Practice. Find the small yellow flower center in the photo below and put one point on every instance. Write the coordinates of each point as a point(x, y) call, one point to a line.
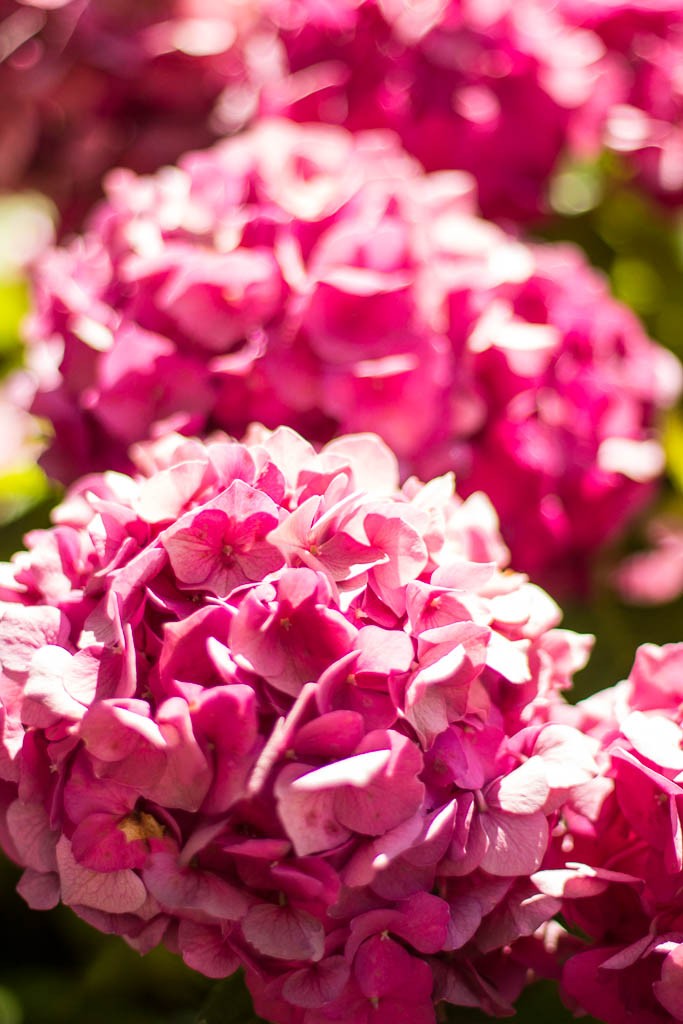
point(140, 825)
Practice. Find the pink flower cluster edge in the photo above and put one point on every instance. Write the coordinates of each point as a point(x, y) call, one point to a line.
point(262, 705)
point(620, 843)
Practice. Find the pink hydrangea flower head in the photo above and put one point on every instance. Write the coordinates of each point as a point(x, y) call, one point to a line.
point(620, 846)
point(300, 275)
point(261, 704)
point(463, 84)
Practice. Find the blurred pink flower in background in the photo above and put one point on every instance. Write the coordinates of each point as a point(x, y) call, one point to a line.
point(644, 43)
point(654, 576)
point(262, 705)
point(90, 84)
point(21, 441)
point(505, 90)
point(306, 276)
point(465, 85)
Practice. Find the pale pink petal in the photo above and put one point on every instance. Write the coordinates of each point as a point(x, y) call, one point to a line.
point(114, 892)
point(308, 817)
point(515, 843)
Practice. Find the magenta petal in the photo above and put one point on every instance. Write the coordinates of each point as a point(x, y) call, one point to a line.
point(648, 801)
point(465, 918)
point(382, 967)
point(204, 948)
point(602, 992)
point(284, 932)
point(193, 889)
point(317, 985)
point(187, 775)
point(99, 842)
point(225, 721)
point(425, 922)
point(336, 733)
point(389, 795)
point(113, 730)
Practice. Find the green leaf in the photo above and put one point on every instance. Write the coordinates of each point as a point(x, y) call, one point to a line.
point(229, 1003)
point(20, 490)
point(10, 1008)
point(673, 446)
point(13, 307)
point(36, 518)
point(541, 1002)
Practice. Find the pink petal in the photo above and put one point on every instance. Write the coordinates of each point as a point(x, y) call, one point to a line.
point(516, 843)
point(386, 800)
point(165, 495)
point(523, 791)
point(656, 738)
point(25, 630)
point(669, 990)
point(204, 948)
point(195, 551)
point(407, 552)
point(308, 817)
point(40, 891)
point(114, 892)
point(359, 770)
point(35, 842)
point(182, 888)
point(317, 985)
point(284, 932)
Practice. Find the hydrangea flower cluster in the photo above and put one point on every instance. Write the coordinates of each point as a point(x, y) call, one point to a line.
point(90, 84)
point(463, 83)
point(644, 43)
point(263, 706)
point(300, 275)
point(622, 847)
